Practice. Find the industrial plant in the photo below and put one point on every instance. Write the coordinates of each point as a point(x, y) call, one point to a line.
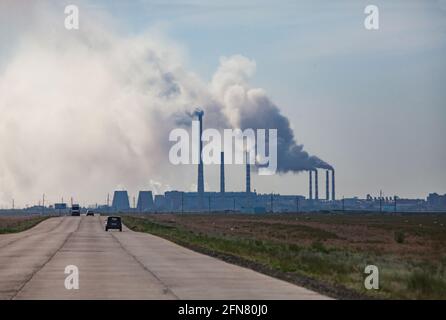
point(224, 201)
point(252, 202)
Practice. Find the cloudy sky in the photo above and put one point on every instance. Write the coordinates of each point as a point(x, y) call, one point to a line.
point(85, 112)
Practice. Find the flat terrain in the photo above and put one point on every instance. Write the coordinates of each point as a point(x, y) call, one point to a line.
point(11, 224)
point(123, 265)
point(324, 252)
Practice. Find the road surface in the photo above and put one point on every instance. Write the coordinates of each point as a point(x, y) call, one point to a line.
point(122, 265)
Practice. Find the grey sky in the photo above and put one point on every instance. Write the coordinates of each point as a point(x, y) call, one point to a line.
point(370, 103)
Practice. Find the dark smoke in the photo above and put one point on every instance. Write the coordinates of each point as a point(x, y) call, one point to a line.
point(290, 154)
point(235, 104)
point(266, 115)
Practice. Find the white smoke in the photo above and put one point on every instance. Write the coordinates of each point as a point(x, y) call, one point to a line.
point(86, 111)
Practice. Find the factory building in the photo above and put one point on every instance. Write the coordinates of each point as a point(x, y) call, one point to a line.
point(223, 201)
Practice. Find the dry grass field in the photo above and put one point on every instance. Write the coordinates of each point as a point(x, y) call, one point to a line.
point(325, 252)
point(11, 224)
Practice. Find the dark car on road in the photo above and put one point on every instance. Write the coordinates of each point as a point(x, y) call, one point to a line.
point(90, 213)
point(113, 223)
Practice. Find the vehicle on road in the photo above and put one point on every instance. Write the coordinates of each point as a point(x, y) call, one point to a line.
point(75, 210)
point(90, 213)
point(113, 223)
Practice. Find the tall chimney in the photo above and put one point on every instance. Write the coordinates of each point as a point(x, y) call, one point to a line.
point(310, 173)
point(248, 174)
point(316, 185)
point(200, 183)
point(222, 172)
point(327, 188)
point(332, 185)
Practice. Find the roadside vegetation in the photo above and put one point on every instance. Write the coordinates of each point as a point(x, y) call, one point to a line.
point(12, 224)
point(323, 252)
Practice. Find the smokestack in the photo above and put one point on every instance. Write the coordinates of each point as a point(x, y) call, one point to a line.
point(316, 185)
point(200, 183)
point(222, 172)
point(327, 182)
point(310, 172)
point(248, 175)
point(332, 185)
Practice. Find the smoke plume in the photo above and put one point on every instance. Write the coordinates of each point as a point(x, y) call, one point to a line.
point(83, 112)
point(247, 107)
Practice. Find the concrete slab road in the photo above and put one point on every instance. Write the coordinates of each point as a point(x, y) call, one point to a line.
point(123, 265)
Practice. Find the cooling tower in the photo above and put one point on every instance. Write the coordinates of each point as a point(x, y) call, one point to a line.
point(145, 201)
point(120, 201)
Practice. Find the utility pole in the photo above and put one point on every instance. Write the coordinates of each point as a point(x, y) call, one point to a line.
point(134, 203)
point(43, 204)
point(343, 204)
point(12, 204)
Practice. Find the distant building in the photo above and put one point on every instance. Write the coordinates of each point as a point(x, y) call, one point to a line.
point(120, 201)
point(178, 201)
point(160, 203)
point(145, 201)
point(60, 206)
point(436, 201)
